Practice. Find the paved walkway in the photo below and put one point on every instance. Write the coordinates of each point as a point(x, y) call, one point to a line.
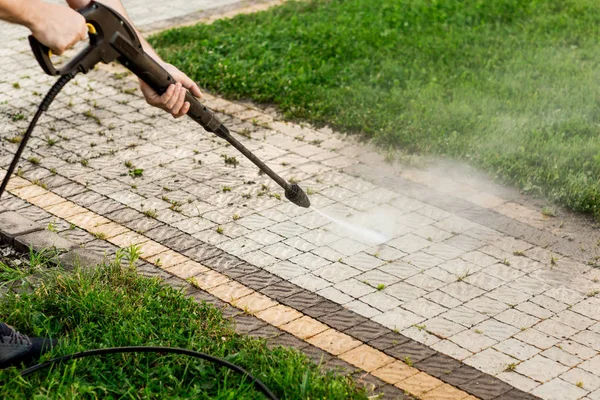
point(465, 291)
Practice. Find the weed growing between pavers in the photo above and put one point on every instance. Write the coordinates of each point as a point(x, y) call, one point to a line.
point(508, 85)
point(113, 306)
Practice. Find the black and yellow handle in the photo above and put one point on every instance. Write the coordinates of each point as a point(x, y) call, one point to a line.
point(42, 54)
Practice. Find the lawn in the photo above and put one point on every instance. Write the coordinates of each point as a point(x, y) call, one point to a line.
point(510, 86)
point(110, 307)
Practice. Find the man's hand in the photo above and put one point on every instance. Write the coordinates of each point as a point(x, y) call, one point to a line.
point(56, 26)
point(173, 100)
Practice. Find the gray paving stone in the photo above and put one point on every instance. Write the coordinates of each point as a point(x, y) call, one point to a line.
point(425, 282)
point(549, 303)
point(443, 251)
point(483, 281)
point(473, 341)
point(577, 376)
point(80, 258)
point(404, 291)
point(556, 354)
point(459, 267)
point(362, 309)
point(281, 251)
point(41, 241)
point(310, 282)
point(12, 224)
point(588, 338)
point(443, 299)
point(517, 318)
point(360, 260)
point(536, 338)
point(380, 301)
point(377, 277)
point(462, 291)
point(442, 327)
point(490, 361)
point(398, 319)
point(557, 389)
point(463, 316)
point(518, 381)
point(589, 308)
point(336, 272)
point(309, 261)
point(400, 269)
point(577, 349)
point(422, 260)
point(556, 329)
point(355, 288)
point(409, 243)
point(517, 349)
point(507, 295)
point(534, 309)
point(335, 295)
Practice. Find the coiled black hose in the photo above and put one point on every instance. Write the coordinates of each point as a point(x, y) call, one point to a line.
point(152, 349)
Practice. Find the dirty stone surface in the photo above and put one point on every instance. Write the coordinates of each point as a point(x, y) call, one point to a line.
point(461, 266)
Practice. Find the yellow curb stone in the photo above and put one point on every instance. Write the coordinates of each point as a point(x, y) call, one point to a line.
point(150, 248)
point(395, 372)
point(16, 182)
point(166, 259)
point(419, 384)
point(279, 315)
point(46, 200)
point(127, 239)
point(255, 302)
point(66, 209)
point(230, 291)
point(27, 192)
point(334, 342)
point(209, 279)
point(304, 327)
point(367, 358)
point(88, 220)
point(109, 230)
point(445, 392)
point(187, 269)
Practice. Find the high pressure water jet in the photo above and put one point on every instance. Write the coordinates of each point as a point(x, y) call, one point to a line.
point(112, 38)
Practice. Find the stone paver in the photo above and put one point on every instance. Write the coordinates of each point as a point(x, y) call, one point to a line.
point(448, 269)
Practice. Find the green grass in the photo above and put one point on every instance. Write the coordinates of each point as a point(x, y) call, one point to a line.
point(111, 306)
point(508, 85)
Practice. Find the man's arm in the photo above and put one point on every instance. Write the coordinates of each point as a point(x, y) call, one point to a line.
point(58, 27)
point(173, 100)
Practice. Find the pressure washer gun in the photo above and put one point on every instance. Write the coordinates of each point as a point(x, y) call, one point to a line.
point(113, 38)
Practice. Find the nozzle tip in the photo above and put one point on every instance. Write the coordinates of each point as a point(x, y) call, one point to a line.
point(296, 195)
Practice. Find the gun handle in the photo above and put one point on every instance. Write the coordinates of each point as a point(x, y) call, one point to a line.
point(148, 70)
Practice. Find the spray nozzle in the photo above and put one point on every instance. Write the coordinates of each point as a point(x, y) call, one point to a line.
point(296, 195)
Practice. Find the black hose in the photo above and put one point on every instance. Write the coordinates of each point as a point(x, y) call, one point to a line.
point(152, 349)
point(54, 90)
